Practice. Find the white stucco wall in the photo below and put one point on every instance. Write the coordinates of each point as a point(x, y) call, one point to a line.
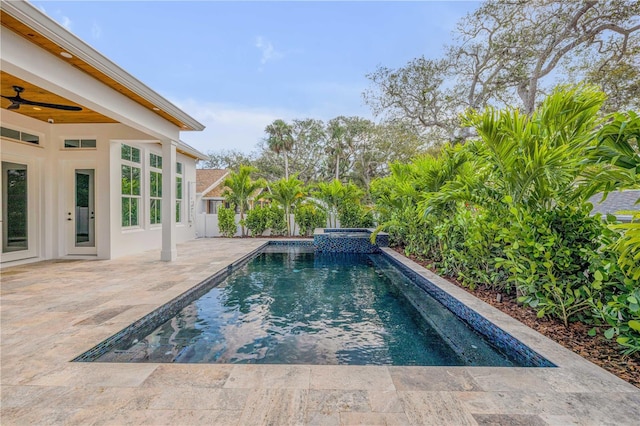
point(51, 167)
point(51, 170)
point(146, 236)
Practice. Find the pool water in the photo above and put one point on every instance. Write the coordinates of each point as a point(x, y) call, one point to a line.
point(297, 307)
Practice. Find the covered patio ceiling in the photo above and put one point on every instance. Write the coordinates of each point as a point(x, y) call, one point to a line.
point(38, 94)
point(23, 20)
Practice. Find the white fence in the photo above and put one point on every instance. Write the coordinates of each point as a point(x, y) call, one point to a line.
point(207, 226)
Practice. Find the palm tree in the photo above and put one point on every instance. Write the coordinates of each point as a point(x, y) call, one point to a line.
point(336, 194)
point(287, 192)
point(533, 160)
point(280, 139)
point(615, 159)
point(240, 187)
point(337, 130)
point(402, 199)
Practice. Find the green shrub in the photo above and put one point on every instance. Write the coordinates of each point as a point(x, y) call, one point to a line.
point(354, 215)
point(275, 220)
point(618, 311)
point(227, 221)
point(257, 220)
point(308, 217)
point(466, 247)
point(548, 257)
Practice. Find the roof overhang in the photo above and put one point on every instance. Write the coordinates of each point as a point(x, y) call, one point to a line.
point(191, 151)
point(30, 23)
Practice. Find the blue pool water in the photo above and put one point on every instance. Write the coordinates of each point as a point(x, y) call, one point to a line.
point(297, 307)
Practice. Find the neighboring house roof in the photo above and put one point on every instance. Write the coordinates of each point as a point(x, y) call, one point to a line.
point(615, 202)
point(30, 23)
point(209, 182)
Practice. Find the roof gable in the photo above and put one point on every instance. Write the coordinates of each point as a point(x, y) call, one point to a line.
point(210, 181)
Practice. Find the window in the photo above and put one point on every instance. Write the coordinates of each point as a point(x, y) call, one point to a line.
point(15, 235)
point(212, 206)
point(130, 174)
point(130, 153)
point(178, 192)
point(156, 161)
point(5, 132)
point(82, 143)
point(155, 189)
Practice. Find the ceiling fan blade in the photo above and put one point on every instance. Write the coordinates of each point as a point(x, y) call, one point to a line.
point(16, 101)
point(54, 106)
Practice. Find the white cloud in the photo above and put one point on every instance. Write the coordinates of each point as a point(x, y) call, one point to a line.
point(229, 126)
point(96, 30)
point(269, 53)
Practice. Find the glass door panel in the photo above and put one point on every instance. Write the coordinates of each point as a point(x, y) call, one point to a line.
point(84, 208)
point(15, 219)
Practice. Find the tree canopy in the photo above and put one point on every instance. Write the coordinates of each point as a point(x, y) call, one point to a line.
point(512, 53)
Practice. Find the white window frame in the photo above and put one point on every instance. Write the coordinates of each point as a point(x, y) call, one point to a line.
point(137, 165)
point(179, 192)
point(155, 192)
point(80, 141)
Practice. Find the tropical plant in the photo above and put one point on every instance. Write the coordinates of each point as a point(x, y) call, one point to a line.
point(257, 220)
point(334, 195)
point(239, 189)
point(535, 159)
point(355, 215)
point(227, 221)
point(275, 219)
point(615, 159)
point(308, 217)
point(399, 199)
point(280, 139)
point(615, 164)
point(287, 193)
point(619, 310)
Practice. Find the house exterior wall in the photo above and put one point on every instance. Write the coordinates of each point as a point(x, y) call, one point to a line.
point(51, 174)
point(51, 169)
point(128, 240)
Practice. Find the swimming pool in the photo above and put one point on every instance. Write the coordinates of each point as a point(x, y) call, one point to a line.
point(288, 305)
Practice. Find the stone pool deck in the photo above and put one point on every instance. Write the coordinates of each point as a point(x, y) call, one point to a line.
point(53, 311)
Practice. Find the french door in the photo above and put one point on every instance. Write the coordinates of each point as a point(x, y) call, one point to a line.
point(80, 215)
point(18, 212)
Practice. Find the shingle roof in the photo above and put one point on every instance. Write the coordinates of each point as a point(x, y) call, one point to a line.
point(207, 177)
point(615, 202)
point(215, 192)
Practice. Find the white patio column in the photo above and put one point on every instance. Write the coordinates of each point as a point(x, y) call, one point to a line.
point(169, 251)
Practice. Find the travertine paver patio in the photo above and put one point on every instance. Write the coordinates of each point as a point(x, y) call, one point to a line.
point(53, 311)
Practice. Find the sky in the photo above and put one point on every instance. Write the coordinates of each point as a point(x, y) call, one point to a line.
point(237, 66)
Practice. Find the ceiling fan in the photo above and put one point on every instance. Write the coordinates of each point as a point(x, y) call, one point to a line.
point(16, 101)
